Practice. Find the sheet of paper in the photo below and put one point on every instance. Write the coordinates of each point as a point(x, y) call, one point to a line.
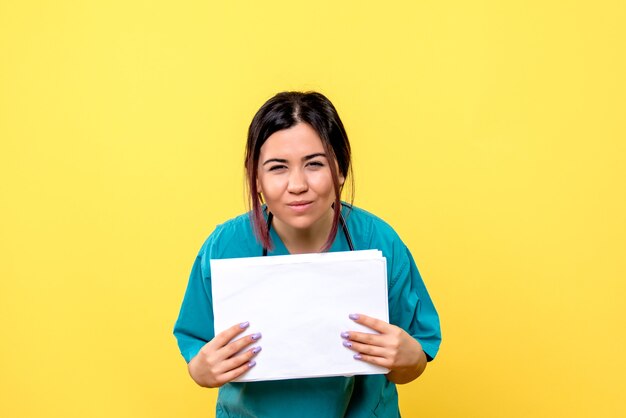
point(301, 303)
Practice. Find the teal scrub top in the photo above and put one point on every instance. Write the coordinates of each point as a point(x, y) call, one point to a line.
point(410, 307)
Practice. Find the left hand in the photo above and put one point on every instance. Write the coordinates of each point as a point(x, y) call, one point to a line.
point(393, 348)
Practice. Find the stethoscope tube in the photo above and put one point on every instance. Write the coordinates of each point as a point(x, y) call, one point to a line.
point(342, 221)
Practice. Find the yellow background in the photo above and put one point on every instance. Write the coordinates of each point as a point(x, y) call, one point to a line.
point(490, 134)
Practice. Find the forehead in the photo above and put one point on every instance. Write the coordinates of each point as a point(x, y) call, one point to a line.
point(299, 140)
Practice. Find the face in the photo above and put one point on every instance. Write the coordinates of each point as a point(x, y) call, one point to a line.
point(295, 180)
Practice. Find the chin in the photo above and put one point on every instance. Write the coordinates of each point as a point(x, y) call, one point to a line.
point(300, 223)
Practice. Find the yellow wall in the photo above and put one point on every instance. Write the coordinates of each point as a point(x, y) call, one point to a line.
point(490, 134)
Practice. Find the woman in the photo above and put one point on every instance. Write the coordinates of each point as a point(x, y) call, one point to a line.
point(297, 161)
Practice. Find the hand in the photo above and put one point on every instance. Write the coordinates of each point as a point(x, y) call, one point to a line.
point(393, 348)
point(217, 362)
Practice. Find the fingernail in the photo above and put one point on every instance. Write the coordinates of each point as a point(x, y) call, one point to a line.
point(345, 334)
point(252, 363)
point(353, 316)
point(357, 357)
point(256, 350)
point(256, 336)
point(347, 344)
point(244, 325)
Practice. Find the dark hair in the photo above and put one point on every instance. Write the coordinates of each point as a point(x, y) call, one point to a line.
point(283, 111)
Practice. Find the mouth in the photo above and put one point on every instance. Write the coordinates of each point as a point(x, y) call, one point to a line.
point(300, 205)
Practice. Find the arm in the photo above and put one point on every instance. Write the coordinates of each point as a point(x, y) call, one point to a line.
point(413, 337)
point(393, 348)
point(217, 363)
point(212, 359)
point(402, 376)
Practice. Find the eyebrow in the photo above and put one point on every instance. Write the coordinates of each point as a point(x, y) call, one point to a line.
point(283, 161)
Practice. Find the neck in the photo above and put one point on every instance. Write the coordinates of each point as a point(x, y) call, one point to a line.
point(309, 240)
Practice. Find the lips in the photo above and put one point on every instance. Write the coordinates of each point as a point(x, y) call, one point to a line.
point(300, 205)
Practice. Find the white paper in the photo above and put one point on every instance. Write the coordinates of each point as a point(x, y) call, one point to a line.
point(300, 304)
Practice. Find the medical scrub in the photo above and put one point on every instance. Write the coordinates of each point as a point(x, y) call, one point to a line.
point(410, 308)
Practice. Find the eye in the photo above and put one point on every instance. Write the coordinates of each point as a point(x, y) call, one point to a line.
point(315, 164)
point(277, 167)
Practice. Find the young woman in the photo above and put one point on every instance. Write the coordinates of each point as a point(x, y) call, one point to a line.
point(297, 161)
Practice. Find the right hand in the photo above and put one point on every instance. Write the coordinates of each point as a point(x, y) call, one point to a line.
point(217, 362)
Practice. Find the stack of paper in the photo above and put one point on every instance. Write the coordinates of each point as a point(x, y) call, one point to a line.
point(300, 304)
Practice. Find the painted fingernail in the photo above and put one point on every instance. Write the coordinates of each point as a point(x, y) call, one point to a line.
point(256, 350)
point(252, 363)
point(357, 357)
point(255, 336)
point(244, 325)
point(345, 334)
point(347, 344)
point(353, 316)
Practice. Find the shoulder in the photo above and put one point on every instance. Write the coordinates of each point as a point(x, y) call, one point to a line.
point(369, 230)
point(230, 239)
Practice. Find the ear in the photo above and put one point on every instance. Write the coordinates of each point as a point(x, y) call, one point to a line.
point(259, 191)
point(342, 179)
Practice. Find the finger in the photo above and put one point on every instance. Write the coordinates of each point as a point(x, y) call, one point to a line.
point(368, 321)
point(235, 373)
point(236, 361)
point(378, 361)
point(371, 350)
point(366, 338)
point(228, 334)
point(236, 346)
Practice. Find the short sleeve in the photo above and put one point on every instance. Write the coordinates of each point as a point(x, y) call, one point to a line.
point(194, 327)
point(410, 305)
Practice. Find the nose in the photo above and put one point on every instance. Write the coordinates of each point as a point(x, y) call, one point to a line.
point(297, 182)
